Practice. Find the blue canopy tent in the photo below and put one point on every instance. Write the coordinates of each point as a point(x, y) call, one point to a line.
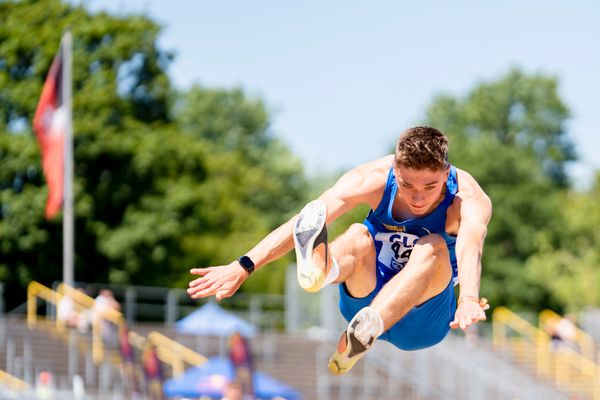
point(209, 379)
point(212, 319)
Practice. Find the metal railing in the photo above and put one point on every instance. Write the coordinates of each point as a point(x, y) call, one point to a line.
point(531, 346)
point(173, 353)
point(36, 290)
point(85, 302)
point(167, 305)
point(168, 351)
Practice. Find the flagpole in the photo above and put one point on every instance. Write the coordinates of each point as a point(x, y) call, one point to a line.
point(68, 220)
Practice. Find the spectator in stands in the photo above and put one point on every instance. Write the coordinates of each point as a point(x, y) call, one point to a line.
point(564, 334)
point(66, 313)
point(104, 302)
point(397, 270)
point(71, 316)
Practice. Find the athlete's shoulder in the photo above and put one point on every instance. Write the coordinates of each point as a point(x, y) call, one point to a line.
point(469, 189)
point(465, 180)
point(363, 184)
point(379, 166)
point(372, 173)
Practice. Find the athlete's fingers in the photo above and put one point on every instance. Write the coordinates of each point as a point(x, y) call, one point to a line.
point(204, 287)
point(193, 292)
point(463, 321)
point(198, 281)
point(473, 319)
point(192, 289)
point(227, 290)
point(479, 316)
point(200, 271)
point(200, 293)
point(468, 320)
point(223, 294)
point(454, 324)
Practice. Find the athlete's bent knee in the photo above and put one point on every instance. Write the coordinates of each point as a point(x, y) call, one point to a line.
point(433, 243)
point(360, 236)
point(355, 241)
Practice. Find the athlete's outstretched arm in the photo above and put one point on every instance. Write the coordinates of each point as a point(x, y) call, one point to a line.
point(475, 213)
point(363, 184)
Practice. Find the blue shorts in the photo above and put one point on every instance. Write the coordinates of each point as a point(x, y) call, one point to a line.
point(423, 326)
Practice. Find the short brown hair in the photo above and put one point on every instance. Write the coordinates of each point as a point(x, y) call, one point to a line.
point(422, 147)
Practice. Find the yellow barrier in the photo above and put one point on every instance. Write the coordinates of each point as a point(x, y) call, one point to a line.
point(532, 347)
point(12, 381)
point(168, 350)
point(548, 320)
point(174, 353)
point(35, 290)
point(110, 315)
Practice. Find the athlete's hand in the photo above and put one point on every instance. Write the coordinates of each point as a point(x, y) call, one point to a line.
point(469, 313)
point(222, 281)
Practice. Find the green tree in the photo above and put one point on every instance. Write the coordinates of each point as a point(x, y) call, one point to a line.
point(568, 257)
point(257, 183)
point(510, 134)
point(119, 81)
point(163, 181)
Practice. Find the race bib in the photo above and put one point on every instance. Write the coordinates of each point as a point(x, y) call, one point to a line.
point(395, 248)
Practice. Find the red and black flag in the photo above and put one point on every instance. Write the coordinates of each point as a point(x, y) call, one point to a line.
point(50, 124)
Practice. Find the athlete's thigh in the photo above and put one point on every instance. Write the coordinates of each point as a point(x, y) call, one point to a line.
point(354, 251)
point(431, 251)
point(426, 324)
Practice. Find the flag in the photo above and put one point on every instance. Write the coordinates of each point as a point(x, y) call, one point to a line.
point(50, 125)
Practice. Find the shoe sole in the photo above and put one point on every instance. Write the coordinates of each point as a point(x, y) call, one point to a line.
point(344, 358)
point(310, 242)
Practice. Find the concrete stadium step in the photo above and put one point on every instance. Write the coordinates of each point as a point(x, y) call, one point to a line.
point(296, 360)
point(46, 349)
point(26, 352)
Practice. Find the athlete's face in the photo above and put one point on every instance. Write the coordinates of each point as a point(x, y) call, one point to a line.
point(420, 188)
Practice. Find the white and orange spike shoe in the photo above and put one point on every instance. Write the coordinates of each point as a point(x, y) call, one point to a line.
point(362, 331)
point(310, 240)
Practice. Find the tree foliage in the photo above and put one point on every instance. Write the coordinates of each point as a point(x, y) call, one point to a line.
point(509, 134)
point(568, 257)
point(164, 180)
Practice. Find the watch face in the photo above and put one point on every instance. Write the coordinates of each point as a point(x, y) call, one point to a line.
point(246, 263)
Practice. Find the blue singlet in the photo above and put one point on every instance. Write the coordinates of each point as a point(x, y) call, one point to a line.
point(428, 323)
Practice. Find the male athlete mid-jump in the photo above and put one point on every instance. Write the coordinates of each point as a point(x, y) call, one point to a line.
point(397, 270)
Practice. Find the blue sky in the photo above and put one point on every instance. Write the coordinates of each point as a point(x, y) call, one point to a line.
point(342, 79)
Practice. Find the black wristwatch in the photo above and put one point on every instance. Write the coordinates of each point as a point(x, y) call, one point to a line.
point(247, 264)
